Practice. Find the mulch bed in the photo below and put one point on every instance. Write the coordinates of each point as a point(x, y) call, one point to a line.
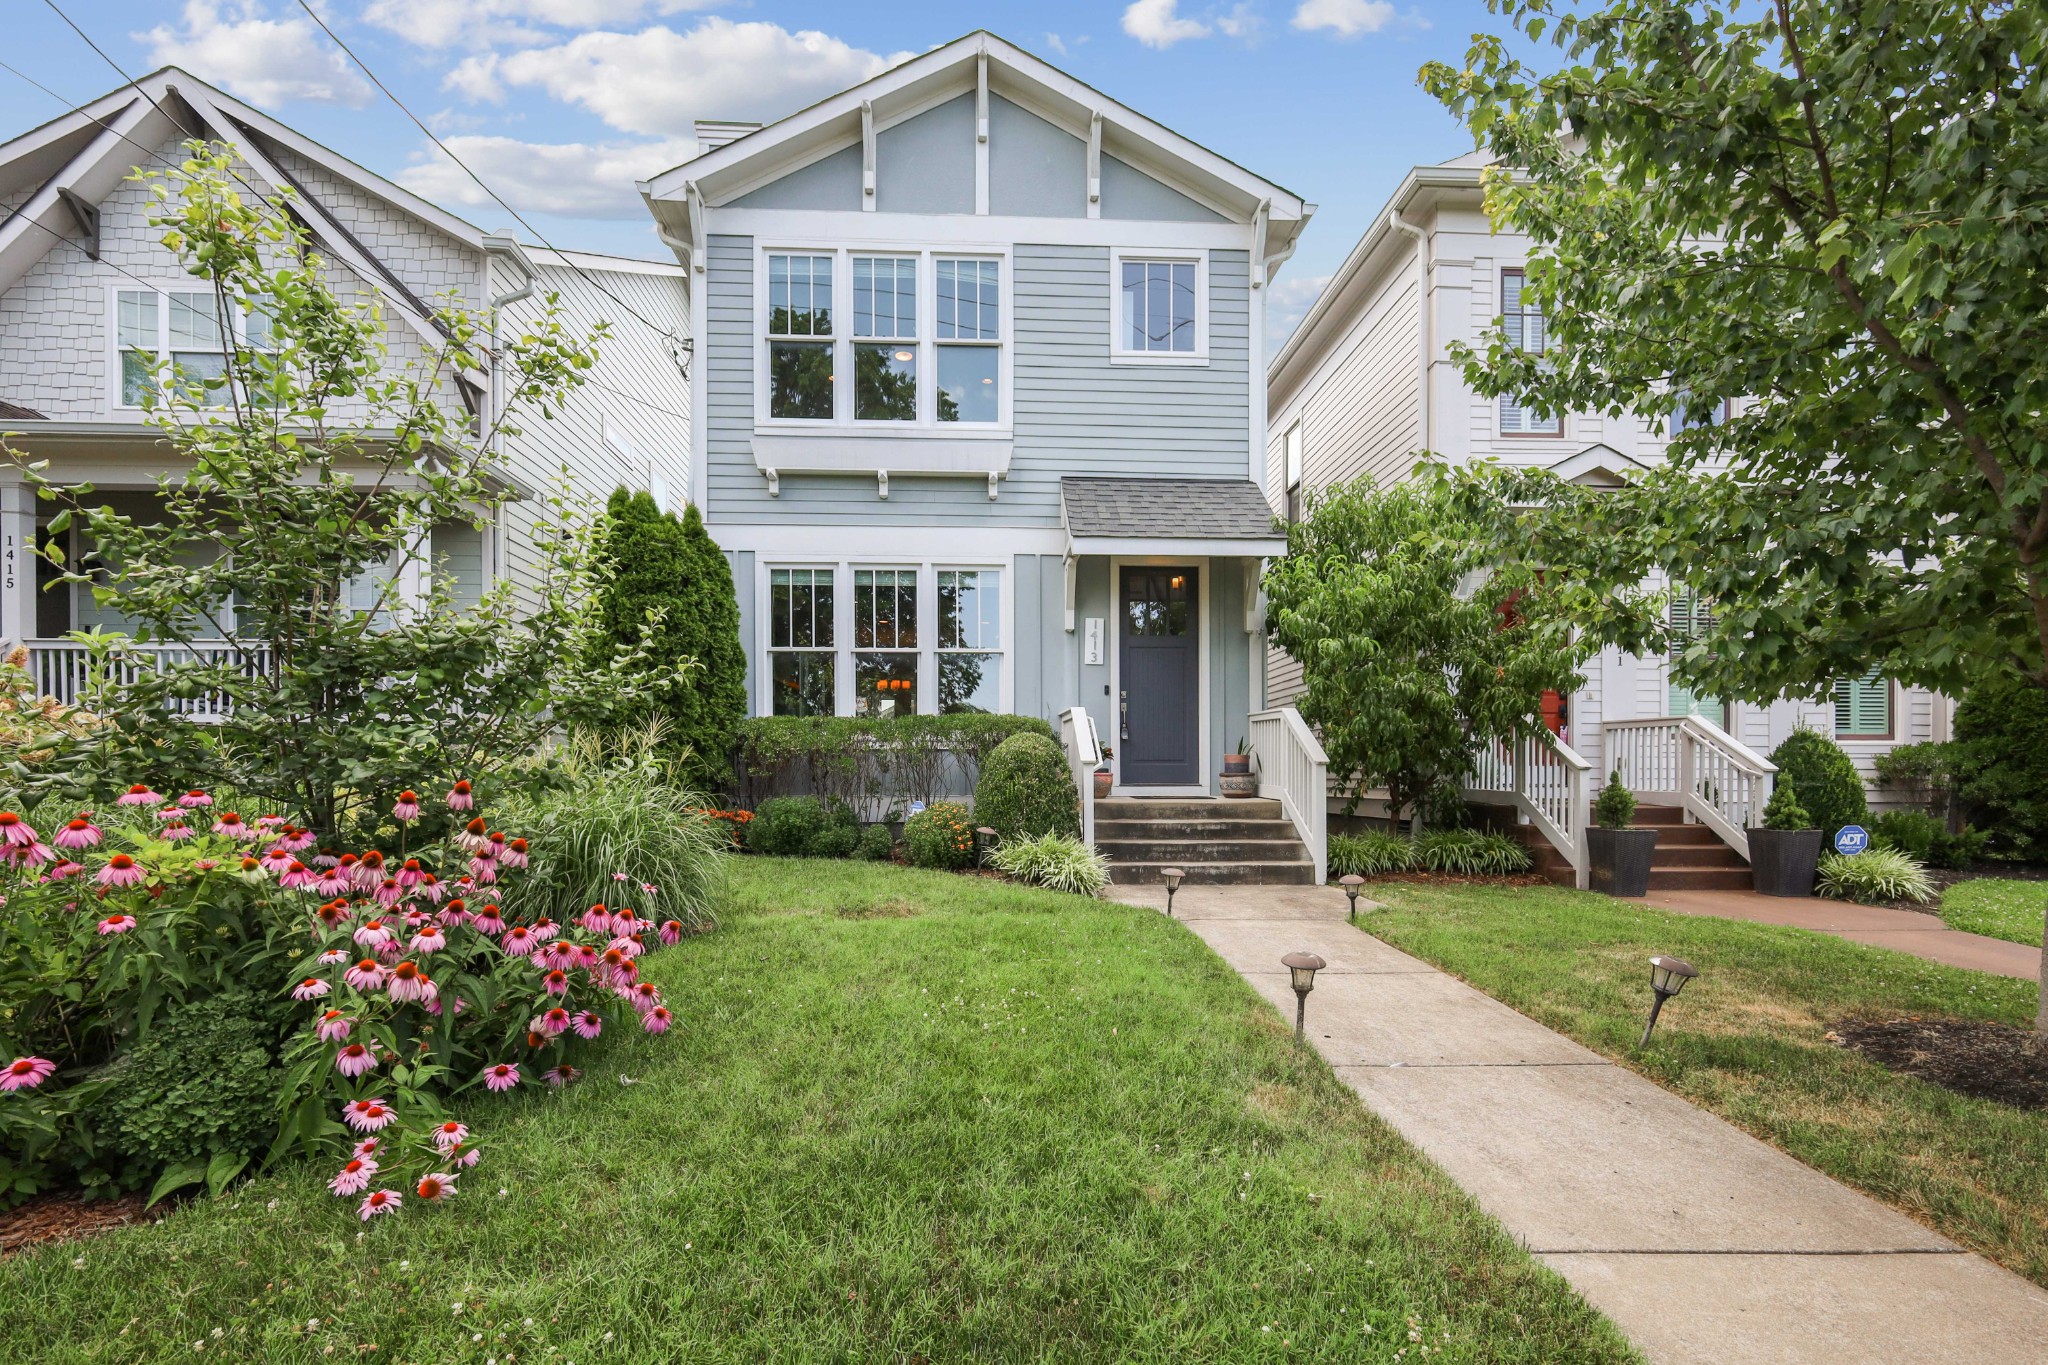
point(1969, 1056)
point(1460, 879)
point(61, 1216)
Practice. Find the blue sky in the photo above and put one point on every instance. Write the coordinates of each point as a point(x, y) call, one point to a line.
point(560, 104)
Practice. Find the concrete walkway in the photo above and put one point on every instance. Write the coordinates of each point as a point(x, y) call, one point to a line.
point(1700, 1242)
point(1908, 931)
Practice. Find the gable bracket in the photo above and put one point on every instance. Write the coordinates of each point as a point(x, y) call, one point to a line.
point(1072, 565)
point(981, 134)
point(867, 156)
point(1095, 165)
point(1260, 218)
point(86, 214)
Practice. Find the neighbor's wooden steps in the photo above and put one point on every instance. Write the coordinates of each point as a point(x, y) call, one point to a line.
point(1688, 857)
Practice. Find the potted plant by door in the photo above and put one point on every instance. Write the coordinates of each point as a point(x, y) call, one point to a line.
point(1784, 853)
point(1237, 779)
point(1104, 775)
point(1620, 855)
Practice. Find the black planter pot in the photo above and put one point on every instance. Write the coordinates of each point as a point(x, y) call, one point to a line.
point(1781, 861)
point(1621, 860)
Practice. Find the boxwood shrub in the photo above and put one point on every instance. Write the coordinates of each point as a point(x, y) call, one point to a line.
point(1026, 791)
point(1827, 782)
point(785, 825)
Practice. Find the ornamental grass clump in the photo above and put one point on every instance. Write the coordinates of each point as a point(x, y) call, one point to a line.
point(387, 981)
point(1372, 854)
point(1471, 853)
point(1054, 861)
point(1874, 876)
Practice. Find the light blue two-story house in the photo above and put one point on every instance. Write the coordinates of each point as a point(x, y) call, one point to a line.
point(978, 405)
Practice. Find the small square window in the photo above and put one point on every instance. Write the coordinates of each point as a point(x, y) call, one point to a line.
point(1158, 307)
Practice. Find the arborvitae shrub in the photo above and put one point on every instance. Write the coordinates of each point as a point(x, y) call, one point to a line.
point(1827, 782)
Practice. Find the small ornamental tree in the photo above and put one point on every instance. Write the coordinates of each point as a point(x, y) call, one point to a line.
point(1616, 804)
point(1416, 646)
point(1783, 810)
point(306, 481)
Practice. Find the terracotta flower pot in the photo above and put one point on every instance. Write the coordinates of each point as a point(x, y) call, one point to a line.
point(1103, 778)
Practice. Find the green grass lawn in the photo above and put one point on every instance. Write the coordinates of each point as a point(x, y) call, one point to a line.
point(1997, 906)
point(906, 1117)
point(1747, 1040)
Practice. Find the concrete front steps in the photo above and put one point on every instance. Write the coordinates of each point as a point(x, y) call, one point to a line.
point(1214, 841)
point(1688, 857)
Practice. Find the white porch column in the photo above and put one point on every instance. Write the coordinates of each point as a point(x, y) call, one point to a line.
point(17, 561)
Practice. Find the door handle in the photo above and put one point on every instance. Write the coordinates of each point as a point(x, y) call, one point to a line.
point(1123, 727)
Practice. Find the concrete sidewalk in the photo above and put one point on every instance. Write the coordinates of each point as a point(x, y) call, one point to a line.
point(1700, 1242)
point(1909, 931)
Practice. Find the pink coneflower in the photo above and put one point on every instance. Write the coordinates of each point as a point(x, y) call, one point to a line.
point(518, 941)
point(369, 870)
point(333, 882)
point(121, 870)
point(173, 833)
point(296, 839)
point(205, 865)
point(275, 860)
point(448, 1136)
point(353, 1178)
point(589, 1024)
point(562, 1075)
point(613, 962)
point(429, 939)
point(390, 893)
point(26, 1073)
point(390, 952)
point(545, 929)
point(555, 982)
point(270, 822)
point(298, 877)
point(645, 995)
point(138, 795)
point(312, 988)
point(15, 831)
point(483, 871)
point(628, 944)
point(79, 833)
point(475, 835)
point(333, 1027)
point(367, 1116)
point(453, 916)
point(657, 1019)
point(332, 914)
point(464, 1157)
point(433, 1005)
point(515, 854)
point(586, 954)
point(64, 868)
point(597, 919)
point(326, 858)
point(650, 888)
point(489, 921)
point(333, 957)
point(560, 953)
point(368, 1147)
point(671, 931)
point(619, 876)
point(432, 888)
point(365, 976)
point(503, 1076)
point(170, 815)
point(553, 1022)
point(195, 798)
point(232, 826)
point(408, 982)
point(372, 933)
point(407, 808)
point(624, 922)
point(410, 873)
point(117, 924)
point(29, 855)
point(355, 1060)
point(461, 797)
point(435, 1188)
point(380, 1201)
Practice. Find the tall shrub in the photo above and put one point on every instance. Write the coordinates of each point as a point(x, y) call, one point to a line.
point(1999, 759)
point(1827, 782)
point(1025, 790)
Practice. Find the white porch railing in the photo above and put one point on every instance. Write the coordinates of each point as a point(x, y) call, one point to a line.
point(1294, 770)
point(64, 669)
point(1084, 755)
point(1545, 779)
point(1692, 763)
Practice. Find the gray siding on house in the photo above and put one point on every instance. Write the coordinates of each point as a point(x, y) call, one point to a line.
point(1034, 169)
point(926, 164)
point(1128, 192)
point(831, 182)
point(742, 562)
point(1075, 412)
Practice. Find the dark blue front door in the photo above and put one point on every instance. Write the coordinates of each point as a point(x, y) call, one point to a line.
point(1159, 671)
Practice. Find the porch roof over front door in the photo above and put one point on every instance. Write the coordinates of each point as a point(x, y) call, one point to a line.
point(1168, 517)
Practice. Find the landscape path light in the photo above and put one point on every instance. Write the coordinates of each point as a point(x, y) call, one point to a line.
point(1171, 876)
point(984, 840)
point(1668, 976)
point(1303, 967)
point(1351, 881)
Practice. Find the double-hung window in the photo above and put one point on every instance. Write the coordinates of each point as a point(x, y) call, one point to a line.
point(1527, 330)
point(969, 331)
point(179, 326)
point(800, 651)
point(1863, 707)
point(800, 337)
point(1159, 309)
point(885, 642)
point(970, 640)
point(1290, 446)
point(885, 338)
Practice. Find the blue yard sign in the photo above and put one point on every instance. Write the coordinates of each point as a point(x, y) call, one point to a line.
point(1852, 839)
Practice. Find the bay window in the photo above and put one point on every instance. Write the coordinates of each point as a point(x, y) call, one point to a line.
point(800, 361)
point(885, 346)
point(800, 634)
point(970, 640)
point(885, 642)
point(907, 640)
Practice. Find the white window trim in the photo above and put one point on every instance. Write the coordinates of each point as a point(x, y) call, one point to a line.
point(1500, 432)
point(843, 648)
point(1121, 355)
point(116, 401)
point(842, 421)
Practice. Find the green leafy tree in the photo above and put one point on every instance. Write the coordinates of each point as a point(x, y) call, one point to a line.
point(305, 482)
point(1829, 215)
point(1416, 648)
point(669, 593)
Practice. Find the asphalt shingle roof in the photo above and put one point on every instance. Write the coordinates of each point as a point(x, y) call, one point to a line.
point(1225, 509)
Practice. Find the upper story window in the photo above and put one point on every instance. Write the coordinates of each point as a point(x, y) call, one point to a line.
point(905, 370)
point(800, 349)
point(1160, 307)
point(181, 326)
point(1528, 330)
point(1863, 707)
point(1290, 446)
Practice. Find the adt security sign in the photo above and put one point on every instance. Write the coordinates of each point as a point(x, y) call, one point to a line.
point(1852, 839)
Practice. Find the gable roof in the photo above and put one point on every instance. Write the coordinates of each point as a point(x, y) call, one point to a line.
point(724, 172)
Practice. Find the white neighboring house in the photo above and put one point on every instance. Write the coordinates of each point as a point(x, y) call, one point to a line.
point(1366, 383)
point(85, 282)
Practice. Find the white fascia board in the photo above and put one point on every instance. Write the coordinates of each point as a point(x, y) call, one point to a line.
point(797, 541)
point(592, 260)
point(1221, 547)
point(851, 228)
point(95, 172)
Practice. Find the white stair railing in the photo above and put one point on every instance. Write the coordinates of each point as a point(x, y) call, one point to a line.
point(1545, 779)
point(1084, 754)
point(1294, 770)
point(1692, 763)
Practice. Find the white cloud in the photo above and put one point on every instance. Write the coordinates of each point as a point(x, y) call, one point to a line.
point(1287, 303)
point(1345, 18)
point(482, 23)
point(265, 61)
point(1157, 23)
point(657, 81)
point(1242, 23)
point(569, 179)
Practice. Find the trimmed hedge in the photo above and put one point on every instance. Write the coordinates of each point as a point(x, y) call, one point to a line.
point(1827, 782)
point(1026, 791)
point(872, 765)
